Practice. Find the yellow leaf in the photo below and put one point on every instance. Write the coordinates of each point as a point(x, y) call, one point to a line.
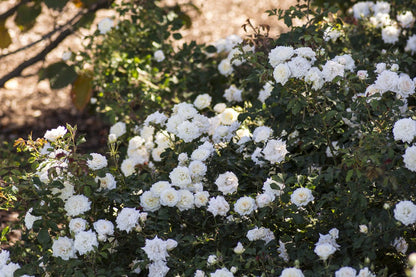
point(81, 91)
point(5, 39)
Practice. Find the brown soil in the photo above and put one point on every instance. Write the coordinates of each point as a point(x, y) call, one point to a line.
point(28, 105)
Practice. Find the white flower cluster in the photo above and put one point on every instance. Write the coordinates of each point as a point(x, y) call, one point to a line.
point(55, 134)
point(299, 63)
point(117, 130)
point(66, 248)
point(378, 14)
point(232, 45)
point(390, 80)
point(157, 251)
point(348, 271)
point(261, 233)
point(326, 246)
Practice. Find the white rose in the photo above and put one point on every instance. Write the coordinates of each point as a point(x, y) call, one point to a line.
point(405, 212)
point(282, 73)
point(409, 158)
point(301, 197)
point(118, 129)
point(291, 272)
point(202, 101)
point(324, 250)
point(245, 205)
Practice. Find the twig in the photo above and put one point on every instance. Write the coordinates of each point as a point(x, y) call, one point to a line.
point(46, 36)
point(41, 55)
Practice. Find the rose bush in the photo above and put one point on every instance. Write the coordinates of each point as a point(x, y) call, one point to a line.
point(270, 157)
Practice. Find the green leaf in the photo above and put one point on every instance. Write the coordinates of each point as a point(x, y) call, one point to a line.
point(26, 15)
point(43, 237)
point(177, 36)
point(59, 74)
point(55, 5)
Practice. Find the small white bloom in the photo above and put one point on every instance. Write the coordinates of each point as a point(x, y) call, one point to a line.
point(406, 19)
point(107, 183)
point(220, 107)
point(390, 34)
point(233, 94)
point(239, 249)
point(262, 134)
point(54, 134)
point(225, 67)
point(227, 182)
point(282, 73)
point(212, 259)
point(405, 130)
point(218, 206)
point(104, 228)
point(76, 205)
point(405, 212)
point(298, 66)
point(291, 272)
point(201, 198)
point(77, 225)
point(411, 44)
point(280, 54)
point(169, 197)
point(30, 219)
point(301, 197)
point(265, 92)
point(275, 151)
point(63, 247)
point(85, 242)
point(401, 245)
point(156, 249)
point(180, 177)
point(128, 167)
point(98, 161)
point(159, 56)
point(346, 271)
point(105, 25)
point(157, 188)
point(127, 219)
point(118, 129)
point(324, 250)
point(245, 205)
point(362, 74)
point(202, 101)
point(149, 202)
point(409, 158)
point(363, 228)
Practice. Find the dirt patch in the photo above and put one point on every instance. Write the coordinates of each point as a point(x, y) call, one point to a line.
point(31, 106)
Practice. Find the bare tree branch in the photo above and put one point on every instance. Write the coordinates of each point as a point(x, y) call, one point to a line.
point(65, 33)
point(46, 36)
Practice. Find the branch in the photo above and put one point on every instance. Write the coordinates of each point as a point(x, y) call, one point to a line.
point(46, 36)
point(41, 55)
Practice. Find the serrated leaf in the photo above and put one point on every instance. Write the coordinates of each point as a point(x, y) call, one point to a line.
point(81, 91)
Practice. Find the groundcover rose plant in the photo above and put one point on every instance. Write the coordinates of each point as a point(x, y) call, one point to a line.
point(301, 163)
